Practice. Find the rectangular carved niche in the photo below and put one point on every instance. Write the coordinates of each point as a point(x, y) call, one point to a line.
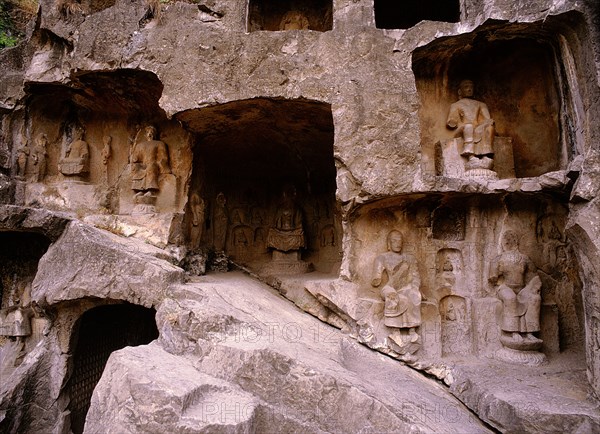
point(282, 15)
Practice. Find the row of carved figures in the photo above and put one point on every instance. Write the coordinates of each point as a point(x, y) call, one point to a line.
point(149, 159)
point(243, 229)
point(512, 273)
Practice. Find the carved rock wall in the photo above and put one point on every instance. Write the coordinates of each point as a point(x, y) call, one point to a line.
point(243, 112)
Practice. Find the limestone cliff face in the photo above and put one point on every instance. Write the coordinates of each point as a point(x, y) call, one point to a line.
point(212, 128)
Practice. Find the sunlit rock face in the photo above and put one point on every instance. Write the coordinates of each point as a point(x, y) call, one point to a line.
point(419, 181)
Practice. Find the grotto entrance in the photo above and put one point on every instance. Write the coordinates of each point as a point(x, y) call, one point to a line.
point(20, 253)
point(21, 321)
point(98, 333)
point(263, 184)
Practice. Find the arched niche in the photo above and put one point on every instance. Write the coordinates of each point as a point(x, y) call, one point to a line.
point(246, 153)
point(97, 333)
point(110, 110)
point(457, 333)
point(515, 72)
point(284, 15)
point(391, 14)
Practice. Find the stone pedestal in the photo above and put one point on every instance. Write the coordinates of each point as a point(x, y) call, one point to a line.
point(454, 165)
point(286, 263)
point(529, 358)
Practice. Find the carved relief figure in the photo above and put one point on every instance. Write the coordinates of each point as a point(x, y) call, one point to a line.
point(106, 149)
point(472, 121)
point(220, 223)
point(401, 291)
point(22, 157)
point(149, 160)
point(288, 233)
point(328, 236)
point(106, 155)
point(294, 20)
point(197, 207)
point(76, 160)
point(40, 157)
point(519, 289)
point(455, 326)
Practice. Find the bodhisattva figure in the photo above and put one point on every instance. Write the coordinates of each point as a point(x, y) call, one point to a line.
point(149, 160)
point(401, 292)
point(76, 161)
point(106, 154)
point(220, 223)
point(22, 157)
point(288, 233)
point(519, 289)
point(472, 122)
point(40, 156)
point(197, 208)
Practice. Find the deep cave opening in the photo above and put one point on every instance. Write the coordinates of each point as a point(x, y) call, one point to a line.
point(246, 154)
point(290, 15)
point(391, 14)
point(98, 333)
point(20, 253)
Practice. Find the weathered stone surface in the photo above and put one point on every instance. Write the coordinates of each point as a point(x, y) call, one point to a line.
point(160, 392)
point(96, 263)
point(352, 116)
point(547, 399)
point(26, 390)
point(15, 218)
point(584, 230)
point(271, 363)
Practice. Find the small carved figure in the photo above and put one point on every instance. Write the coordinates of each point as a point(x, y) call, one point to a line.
point(76, 160)
point(22, 157)
point(450, 313)
point(519, 289)
point(288, 233)
point(401, 292)
point(149, 160)
point(106, 155)
point(328, 236)
point(220, 223)
point(40, 156)
point(294, 20)
point(106, 149)
point(197, 208)
point(257, 216)
point(472, 121)
point(242, 236)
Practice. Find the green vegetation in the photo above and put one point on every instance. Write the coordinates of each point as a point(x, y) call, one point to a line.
point(8, 34)
point(14, 15)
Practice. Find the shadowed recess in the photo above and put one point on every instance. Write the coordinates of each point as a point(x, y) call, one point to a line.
point(392, 14)
point(121, 92)
point(99, 332)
